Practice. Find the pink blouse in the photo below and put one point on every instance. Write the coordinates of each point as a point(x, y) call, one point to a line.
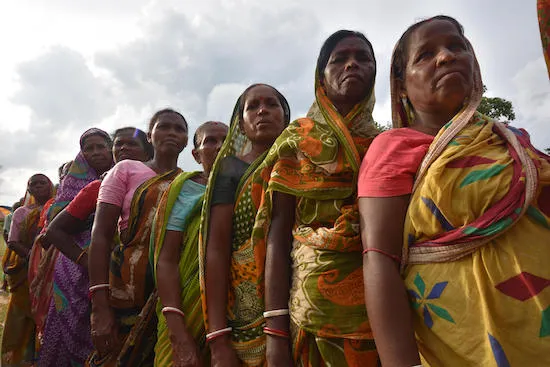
point(119, 185)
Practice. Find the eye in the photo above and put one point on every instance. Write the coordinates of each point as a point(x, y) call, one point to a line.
point(423, 56)
point(457, 46)
point(252, 105)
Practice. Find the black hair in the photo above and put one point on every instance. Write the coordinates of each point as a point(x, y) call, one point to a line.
point(280, 97)
point(137, 133)
point(200, 130)
point(400, 54)
point(331, 42)
point(164, 111)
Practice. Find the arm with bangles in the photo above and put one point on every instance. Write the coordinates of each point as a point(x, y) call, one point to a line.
point(388, 306)
point(184, 347)
point(60, 233)
point(218, 262)
point(103, 323)
point(278, 280)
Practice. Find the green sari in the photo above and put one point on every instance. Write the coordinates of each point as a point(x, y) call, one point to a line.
point(188, 269)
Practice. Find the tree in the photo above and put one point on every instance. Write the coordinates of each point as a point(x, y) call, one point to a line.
point(497, 108)
point(547, 151)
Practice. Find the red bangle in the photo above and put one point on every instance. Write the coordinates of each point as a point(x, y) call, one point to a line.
point(395, 258)
point(275, 332)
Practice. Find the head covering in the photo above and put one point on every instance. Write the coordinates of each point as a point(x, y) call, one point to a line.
point(91, 132)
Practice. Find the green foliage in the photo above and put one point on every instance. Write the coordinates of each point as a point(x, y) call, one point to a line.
point(497, 108)
point(547, 151)
point(381, 127)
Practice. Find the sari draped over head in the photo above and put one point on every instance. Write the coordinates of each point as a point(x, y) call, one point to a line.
point(191, 303)
point(66, 336)
point(543, 11)
point(246, 296)
point(317, 159)
point(19, 342)
point(132, 293)
point(476, 244)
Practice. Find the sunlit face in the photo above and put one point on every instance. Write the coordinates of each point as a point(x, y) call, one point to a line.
point(210, 141)
point(126, 146)
point(349, 74)
point(97, 153)
point(263, 117)
point(440, 68)
point(169, 134)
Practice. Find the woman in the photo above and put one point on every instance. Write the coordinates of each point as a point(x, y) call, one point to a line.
point(73, 222)
point(231, 270)
point(66, 341)
point(121, 281)
point(174, 255)
point(461, 203)
point(18, 339)
point(309, 217)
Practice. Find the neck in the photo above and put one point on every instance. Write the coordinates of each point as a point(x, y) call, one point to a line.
point(163, 163)
point(42, 201)
point(431, 122)
point(256, 151)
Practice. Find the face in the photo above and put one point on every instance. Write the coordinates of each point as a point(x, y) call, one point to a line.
point(263, 115)
point(169, 134)
point(349, 74)
point(39, 186)
point(97, 153)
point(440, 68)
point(210, 142)
point(126, 146)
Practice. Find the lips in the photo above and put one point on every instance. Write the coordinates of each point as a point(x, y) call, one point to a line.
point(352, 76)
point(448, 73)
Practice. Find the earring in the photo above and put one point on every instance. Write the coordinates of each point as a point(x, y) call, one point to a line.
point(407, 108)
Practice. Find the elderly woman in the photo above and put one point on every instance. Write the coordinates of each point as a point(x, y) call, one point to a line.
point(314, 301)
point(460, 203)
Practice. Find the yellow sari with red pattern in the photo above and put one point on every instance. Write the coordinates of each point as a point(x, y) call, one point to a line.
point(316, 159)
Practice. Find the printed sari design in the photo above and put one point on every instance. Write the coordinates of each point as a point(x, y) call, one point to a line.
point(63, 284)
point(18, 341)
point(246, 296)
point(132, 293)
point(191, 303)
point(543, 11)
point(475, 254)
point(316, 159)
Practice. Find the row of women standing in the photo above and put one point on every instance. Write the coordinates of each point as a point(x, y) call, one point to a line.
point(261, 263)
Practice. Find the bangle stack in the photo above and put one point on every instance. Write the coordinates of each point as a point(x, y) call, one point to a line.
point(175, 310)
point(216, 334)
point(274, 313)
point(95, 288)
point(276, 332)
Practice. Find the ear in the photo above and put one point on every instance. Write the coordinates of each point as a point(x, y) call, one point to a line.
point(196, 155)
point(149, 137)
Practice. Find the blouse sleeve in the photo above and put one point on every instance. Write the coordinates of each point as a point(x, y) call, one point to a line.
point(85, 201)
point(227, 181)
point(390, 165)
point(114, 186)
point(16, 220)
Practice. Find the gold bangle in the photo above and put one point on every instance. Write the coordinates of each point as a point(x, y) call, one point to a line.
point(85, 251)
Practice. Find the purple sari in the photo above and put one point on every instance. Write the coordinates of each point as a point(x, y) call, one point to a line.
point(67, 340)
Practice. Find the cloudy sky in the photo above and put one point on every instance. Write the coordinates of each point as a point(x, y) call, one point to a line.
point(68, 65)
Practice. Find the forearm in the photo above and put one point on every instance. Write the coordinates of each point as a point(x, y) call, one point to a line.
point(277, 281)
point(217, 285)
point(389, 312)
point(19, 248)
point(66, 244)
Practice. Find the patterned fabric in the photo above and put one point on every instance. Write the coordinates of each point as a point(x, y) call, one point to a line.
point(188, 269)
point(543, 10)
point(245, 300)
point(18, 339)
point(316, 159)
point(66, 340)
point(476, 252)
point(132, 295)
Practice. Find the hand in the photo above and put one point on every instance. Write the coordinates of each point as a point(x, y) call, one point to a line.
point(185, 352)
point(278, 352)
point(223, 354)
point(104, 330)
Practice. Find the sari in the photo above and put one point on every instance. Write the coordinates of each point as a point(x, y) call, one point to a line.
point(66, 339)
point(132, 294)
point(475, 254)
point(543, 11)
point(317, 159)
point(188, 270)
point(18, 339)
point(246, 297)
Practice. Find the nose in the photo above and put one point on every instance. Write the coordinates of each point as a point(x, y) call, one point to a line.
point(351, 63)
point(445, 56)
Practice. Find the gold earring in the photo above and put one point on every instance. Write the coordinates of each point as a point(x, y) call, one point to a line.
point(407, 107)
